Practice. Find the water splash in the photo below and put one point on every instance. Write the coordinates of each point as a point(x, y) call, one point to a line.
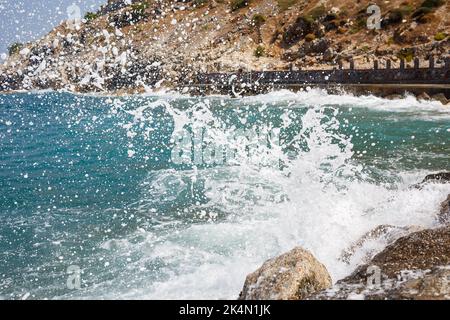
point(153, 228)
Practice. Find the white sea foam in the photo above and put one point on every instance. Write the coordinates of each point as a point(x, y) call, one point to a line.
point(319, 97)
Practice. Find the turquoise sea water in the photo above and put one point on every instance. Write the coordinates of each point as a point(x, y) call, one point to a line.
point(95, 182)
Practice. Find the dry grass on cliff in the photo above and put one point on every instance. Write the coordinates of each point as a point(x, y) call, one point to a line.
point(220, 35)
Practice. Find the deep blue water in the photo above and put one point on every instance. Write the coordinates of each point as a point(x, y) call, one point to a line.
point(88, 181)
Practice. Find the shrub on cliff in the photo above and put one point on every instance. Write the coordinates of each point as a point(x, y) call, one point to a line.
point(406, 9)
point(421, 12)
point(89, 16)
point(425, 8)
point(310, 37)
point(395, 16)
point(139, 7)
point(432, 3)
point(136, 13)
point(298, 30)
point(200, 3)
point(258, 20)
point(238, 4)
point(283, 5)
point(359, 22)
point(440, 36)
point(15, 48)
point(317, 12)
point(259, 52)
point(406, 53)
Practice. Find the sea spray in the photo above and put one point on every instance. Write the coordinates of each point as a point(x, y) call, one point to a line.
point(103, 192)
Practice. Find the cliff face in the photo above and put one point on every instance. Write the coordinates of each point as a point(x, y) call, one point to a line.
point(135, 45)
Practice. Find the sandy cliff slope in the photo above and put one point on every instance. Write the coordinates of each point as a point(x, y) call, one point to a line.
point(159, 43)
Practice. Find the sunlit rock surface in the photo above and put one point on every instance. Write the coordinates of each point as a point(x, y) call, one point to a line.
point(291, 276)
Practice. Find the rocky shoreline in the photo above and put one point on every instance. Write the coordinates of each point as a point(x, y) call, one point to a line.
point(441, 98)
point(414, 266)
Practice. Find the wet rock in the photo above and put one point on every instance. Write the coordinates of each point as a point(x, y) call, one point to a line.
point(410, 285)
point(384, 233)
point(441, 98)
point(413, 267)
point(393, 96)
point(441, 177)
point(444, 213)
point(423, 96)
point(419, 250)
point(292, 276)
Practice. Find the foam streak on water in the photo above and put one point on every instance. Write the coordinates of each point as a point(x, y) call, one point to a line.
point(92, 181)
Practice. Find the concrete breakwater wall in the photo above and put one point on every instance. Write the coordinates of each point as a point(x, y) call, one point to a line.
point(430, 79)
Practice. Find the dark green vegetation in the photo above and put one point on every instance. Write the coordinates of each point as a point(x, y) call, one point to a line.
point(238, 4)
point(15, 48)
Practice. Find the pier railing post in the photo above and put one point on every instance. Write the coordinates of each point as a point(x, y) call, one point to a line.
point(416, 63)
point(402, 64)
point(388, 64)
point(375, 64)
point(352, 64)
point(431, 62)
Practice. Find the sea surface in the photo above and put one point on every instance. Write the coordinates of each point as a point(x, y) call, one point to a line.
point(169, 196)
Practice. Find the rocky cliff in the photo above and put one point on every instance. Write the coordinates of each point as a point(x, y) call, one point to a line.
point(136, 45)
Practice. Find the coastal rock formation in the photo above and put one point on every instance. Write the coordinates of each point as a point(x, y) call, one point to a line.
point(442, 177)
point(431, 284)
point(292, 276)
point(444, 213)
point(420, 250)
point(132, 46)
point(416, 266)
point(441, 98)
point(385, 233)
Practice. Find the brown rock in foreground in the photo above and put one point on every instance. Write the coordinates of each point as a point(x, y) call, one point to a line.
point(292, 276)
point(416, 266)
point(387, 232)
point(420, 250)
